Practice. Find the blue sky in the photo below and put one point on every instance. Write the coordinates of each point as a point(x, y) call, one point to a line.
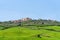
point(17, 9)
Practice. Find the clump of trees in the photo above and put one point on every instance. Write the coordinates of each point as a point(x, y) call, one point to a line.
point(19, 24)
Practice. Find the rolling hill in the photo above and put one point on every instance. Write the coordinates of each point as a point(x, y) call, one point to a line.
point(21, 33)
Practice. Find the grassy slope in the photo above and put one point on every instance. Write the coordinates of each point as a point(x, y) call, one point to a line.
point(20, 33)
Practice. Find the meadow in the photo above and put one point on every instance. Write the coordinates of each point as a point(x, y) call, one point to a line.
point(29, 33)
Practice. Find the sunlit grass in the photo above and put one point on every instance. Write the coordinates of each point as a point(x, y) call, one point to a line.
point(21, 33)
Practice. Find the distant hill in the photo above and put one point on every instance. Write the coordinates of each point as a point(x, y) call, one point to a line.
point(29, 22)
point(41, 22)
point(22, 20)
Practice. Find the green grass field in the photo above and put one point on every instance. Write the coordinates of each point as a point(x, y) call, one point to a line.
point(21, 33)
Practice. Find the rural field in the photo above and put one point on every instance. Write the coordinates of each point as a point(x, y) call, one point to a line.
point(29, 19)
point(29, 33)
